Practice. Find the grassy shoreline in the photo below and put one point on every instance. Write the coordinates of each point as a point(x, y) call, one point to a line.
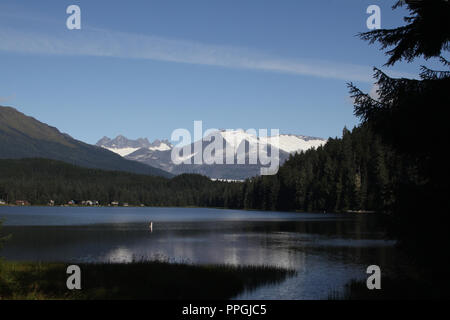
point(154, 280)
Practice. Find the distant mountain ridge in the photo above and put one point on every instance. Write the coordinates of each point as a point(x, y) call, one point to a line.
point(159, 154)
point(22, 136)
point(124, 146)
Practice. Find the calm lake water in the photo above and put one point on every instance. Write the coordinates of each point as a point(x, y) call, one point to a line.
point(327, 250)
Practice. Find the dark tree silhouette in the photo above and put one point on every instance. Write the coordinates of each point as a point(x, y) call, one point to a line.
point(427, 32)
point(410, 116)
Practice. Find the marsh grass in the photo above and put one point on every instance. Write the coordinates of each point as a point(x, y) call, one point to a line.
point(134, 280)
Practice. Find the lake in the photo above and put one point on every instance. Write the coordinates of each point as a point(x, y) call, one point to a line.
point(327, 250)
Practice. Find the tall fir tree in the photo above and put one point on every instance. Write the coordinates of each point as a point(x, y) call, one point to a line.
point(410, 115)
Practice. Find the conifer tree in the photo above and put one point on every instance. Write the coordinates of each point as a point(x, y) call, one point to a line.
point(410, 116)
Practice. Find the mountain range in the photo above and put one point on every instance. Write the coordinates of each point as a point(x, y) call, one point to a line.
point(123, 146)
point(159, 153)
point(22, 136)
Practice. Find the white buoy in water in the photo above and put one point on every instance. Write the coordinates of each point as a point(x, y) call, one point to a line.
point(151, 226)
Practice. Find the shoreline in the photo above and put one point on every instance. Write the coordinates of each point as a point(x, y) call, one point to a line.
point(352, 212)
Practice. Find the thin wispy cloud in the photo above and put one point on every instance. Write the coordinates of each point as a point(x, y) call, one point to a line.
point(103, 43)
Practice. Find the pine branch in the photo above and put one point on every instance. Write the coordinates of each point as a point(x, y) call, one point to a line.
point(426, 34)
point(428, 74)
point(444, 61)
point(364, 105)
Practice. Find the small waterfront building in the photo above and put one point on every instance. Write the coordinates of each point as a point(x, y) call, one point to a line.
point(2, 202)
point(22, 203)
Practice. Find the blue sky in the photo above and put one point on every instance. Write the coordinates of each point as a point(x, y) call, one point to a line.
point(145, 68)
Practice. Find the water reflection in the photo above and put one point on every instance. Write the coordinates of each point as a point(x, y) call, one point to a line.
point(326, 250)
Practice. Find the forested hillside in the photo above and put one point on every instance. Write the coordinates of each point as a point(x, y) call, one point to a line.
point(354, 172)
point(40, 180)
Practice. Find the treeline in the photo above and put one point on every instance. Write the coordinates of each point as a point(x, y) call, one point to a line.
point(40, 180)
point(355, 172)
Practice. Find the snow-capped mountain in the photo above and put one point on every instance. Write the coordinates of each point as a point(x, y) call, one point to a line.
point(294, 143)
point(123, 146)
point(159, 153)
